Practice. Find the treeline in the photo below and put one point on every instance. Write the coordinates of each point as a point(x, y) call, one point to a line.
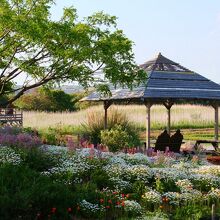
point(44, 99)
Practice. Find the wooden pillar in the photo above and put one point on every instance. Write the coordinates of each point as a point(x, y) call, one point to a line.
point(168, 106)
point(148, 120)
point(168, 121)
point(106, 106)
point(216, 122)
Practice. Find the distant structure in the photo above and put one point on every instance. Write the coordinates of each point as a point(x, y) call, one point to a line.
point(167, 83)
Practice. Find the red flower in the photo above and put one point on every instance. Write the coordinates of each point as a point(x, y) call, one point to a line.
point(101, 200)
point(107, 207)
point(69, 210)
point(127, 195)
point(109, 201)
point(53, 210)
point(123, 195)
point(122, 204)
point(118, 203)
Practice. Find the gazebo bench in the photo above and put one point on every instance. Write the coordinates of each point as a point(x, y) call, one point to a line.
point(213, 142)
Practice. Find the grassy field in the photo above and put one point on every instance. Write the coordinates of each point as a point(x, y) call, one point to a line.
point(182, 116)
point(195, 121)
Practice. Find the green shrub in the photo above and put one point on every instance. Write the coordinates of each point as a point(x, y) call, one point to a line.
point(118, 138)
point(47, 100)
point(100, 178)
point(37, 159)
point(56, 135)
point(24, 193)
point(83, 105)
point(49, 136)
point(92, 129)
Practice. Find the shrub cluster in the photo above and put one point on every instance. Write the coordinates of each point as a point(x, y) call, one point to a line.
point(120, 133)
point(48, 100)
point(16, 137)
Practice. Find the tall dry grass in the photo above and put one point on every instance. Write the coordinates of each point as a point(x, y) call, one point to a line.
point(183, 116)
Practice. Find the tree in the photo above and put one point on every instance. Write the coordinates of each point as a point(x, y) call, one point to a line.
point(44, 99)
point(47, 51)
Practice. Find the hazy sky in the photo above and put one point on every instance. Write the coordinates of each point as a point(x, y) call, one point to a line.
point(186, 31)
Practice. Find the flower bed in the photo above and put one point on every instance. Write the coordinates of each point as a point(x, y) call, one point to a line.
point(53, 182)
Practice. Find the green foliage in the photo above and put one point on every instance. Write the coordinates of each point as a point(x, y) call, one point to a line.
point(83, 105)
point(24, 192)
point(57, 135)
point(192, 211)
point(66, 50)
point(116, 139)
point(47, 100)
point(95, 125)
point(92, 186)
point(100, 178)
point(37, 160)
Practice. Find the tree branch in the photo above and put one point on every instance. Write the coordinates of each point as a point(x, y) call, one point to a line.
point(4, 35)
point(19, 94)
point(9, 63)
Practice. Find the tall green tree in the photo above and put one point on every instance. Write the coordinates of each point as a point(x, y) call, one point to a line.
point(40, 50)
point(44, 99)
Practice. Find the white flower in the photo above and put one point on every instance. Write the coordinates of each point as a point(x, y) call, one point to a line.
point(211, 169)
point(138, 172)
point(187, 196)
point(214, 193)
point(152, 197)
point(120, 184)
point(90, 207)
point(173, 197)
point(135, 159)
point(169, 173)
point(205, 179)
point(132, 206)
point(8, 155)
point(185, 185)
point(54, 149)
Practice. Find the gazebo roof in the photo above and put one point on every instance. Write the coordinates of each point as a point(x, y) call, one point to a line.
point(167, 80)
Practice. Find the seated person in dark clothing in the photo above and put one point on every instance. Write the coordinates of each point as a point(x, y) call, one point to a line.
point(176, 141)
point(163, 141)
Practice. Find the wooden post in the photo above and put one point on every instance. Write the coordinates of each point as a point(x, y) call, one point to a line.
point(148, 105)
point(213, 211)
point(168, 121)
point(168, 106)
point(106, 106)
point(216, 122)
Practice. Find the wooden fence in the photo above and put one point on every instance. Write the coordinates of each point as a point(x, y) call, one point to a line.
point(11, 116)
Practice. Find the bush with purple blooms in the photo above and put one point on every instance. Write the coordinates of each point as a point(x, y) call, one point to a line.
point(16, 137)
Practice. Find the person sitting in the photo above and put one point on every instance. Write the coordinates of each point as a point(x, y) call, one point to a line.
point(176, 141)
point(163, 141)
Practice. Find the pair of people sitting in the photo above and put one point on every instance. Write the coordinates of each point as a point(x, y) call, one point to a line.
point(174, 142)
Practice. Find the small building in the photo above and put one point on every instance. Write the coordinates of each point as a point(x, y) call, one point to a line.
point(167, 83)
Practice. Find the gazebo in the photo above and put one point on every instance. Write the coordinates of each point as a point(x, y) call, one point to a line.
point(167, 83)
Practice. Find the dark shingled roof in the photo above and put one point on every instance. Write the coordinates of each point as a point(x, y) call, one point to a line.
point(166, 80)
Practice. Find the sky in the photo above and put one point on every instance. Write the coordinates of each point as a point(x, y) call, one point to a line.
point(185, 31)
